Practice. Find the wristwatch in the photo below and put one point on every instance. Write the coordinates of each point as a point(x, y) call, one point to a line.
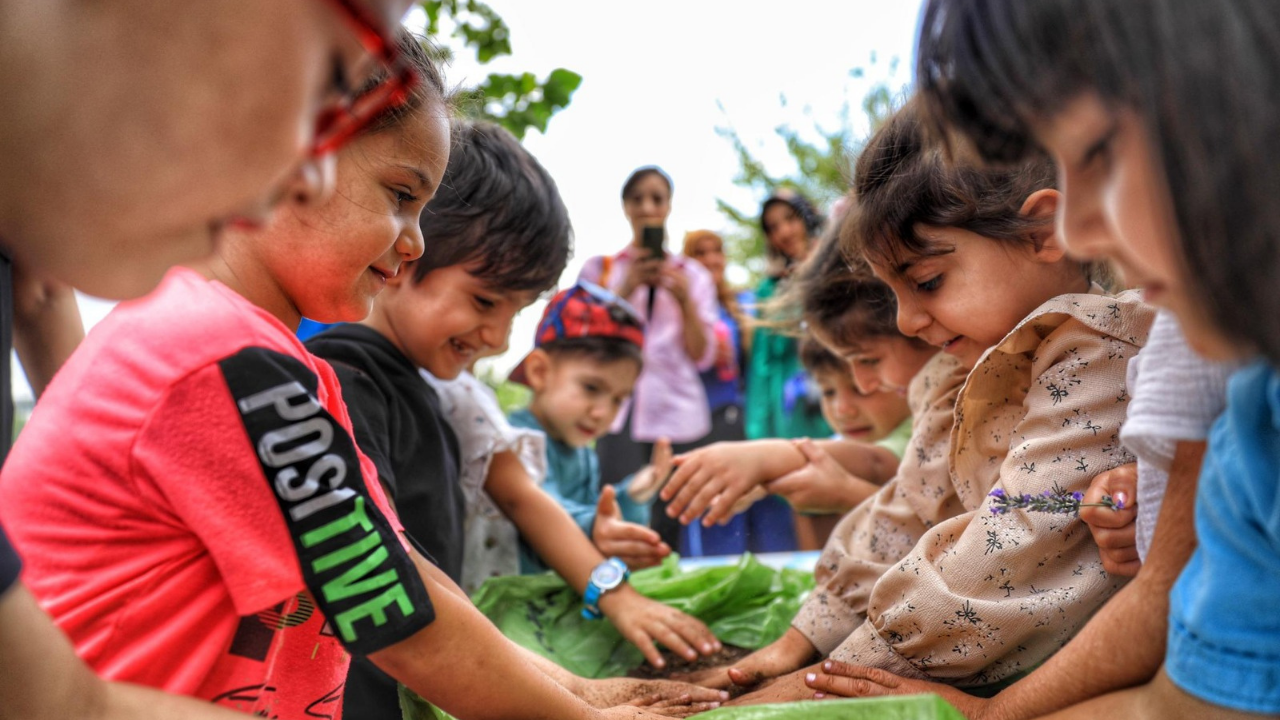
point(606, 576)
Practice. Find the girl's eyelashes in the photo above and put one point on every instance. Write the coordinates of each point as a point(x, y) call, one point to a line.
point(1100, 150)
point(404, 197)
point(930, 285)
point(484, 302)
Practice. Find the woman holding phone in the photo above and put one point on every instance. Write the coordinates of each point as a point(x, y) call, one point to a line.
point(677, 299)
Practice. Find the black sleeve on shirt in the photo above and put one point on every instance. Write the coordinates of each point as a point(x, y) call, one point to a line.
point(368, 408)
point(10, 565)
point(352, 561)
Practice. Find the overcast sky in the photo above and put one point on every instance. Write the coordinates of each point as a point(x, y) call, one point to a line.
point(658, 78)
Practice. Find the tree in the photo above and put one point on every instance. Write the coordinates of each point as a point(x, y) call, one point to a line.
point(517, 102)
point(822, 169)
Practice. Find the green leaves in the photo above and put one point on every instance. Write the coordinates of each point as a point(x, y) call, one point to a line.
point(517, 102)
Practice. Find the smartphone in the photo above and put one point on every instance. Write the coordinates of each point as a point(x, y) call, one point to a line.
point(653, 239)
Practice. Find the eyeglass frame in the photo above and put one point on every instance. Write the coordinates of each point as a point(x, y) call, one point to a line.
point(338, 124)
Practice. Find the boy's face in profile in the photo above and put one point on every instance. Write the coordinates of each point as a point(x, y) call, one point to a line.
point(447, 320)
point(576, 397)
point(855, 415)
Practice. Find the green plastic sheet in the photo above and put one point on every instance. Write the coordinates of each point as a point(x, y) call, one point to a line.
point(748, 604)
point(907, 707)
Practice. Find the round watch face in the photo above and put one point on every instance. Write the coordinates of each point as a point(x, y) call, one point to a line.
point(606, 575)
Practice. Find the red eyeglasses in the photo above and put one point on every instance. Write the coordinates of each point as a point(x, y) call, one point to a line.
point(338, 124)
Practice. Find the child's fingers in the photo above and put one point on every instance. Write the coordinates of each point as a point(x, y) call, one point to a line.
point(696, 486)
point(694, 632)
point(810, 450)
point(623, 531)
point(754, 495)
point(644, 643)
point(685, 469)
point(607, 505)
point(703, 499)
point(672, 640)
point(628, 548)
point(1121, 484)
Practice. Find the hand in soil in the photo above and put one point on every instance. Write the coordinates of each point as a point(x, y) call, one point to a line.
point(787, 688)
point(644, 622)
point(677, 707)
point(706, 669)
point(608, 692)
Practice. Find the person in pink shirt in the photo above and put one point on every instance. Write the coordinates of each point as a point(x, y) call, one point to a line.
point(677, 298)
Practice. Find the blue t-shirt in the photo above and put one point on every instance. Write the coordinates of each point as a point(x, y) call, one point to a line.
point(1224, 632)
point(10, 566)
point(573, 479)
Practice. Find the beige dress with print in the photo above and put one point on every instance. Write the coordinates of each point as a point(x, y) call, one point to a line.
point(983, 596)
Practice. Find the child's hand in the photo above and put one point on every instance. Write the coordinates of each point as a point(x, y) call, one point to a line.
point(649, 480)
point(713, 477)
point(1115, 531)
point(643, 622)
point(744, 503)
point(636, 545)
point(608, 692)
point(822, 485)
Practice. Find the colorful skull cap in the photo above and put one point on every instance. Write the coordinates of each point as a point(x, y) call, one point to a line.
point(584, 310)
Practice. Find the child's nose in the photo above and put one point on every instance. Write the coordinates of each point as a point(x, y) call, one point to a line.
point(410, 244)
point(911, 317)
point(865, 379)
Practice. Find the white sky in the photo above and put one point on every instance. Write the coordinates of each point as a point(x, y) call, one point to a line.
point(659, 78)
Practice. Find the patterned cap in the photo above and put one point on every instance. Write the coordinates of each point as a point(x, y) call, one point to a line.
point(585, 310)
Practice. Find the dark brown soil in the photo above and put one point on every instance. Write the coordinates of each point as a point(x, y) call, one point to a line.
point(677, 665)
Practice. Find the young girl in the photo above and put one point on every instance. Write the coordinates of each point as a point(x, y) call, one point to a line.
point(978, 271)
point(190, 494)
point(1168, 168)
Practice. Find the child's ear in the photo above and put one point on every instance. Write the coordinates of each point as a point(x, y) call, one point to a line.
point(1042, 205)
point(536, 369)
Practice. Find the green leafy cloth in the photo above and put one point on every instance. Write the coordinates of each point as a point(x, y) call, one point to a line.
point(748, 604)
point(907, 707)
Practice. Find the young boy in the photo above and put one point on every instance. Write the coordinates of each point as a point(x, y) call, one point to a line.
point(881, 418)
point(499, 235)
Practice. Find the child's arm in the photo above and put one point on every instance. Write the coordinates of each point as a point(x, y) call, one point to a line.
point(552, 533)
point(713, 478)
point(822, 485)
point(461, 663)
point(42, 679)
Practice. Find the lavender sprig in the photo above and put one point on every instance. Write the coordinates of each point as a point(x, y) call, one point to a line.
point(1058, 502)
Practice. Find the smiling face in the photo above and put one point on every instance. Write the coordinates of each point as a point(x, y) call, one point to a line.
point(1117, 205)
point(576, 397)
point(881, 363)
point(785, 230)
point(855, 415)
point(449, 319)
point(966, 292)
point(328, 261)
point(167, 119)
point(647, 203)
point(710, 253)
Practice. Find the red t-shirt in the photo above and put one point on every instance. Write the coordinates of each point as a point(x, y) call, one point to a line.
point(194, 514)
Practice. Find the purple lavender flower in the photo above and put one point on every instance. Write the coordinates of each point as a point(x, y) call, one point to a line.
point(1056, 501)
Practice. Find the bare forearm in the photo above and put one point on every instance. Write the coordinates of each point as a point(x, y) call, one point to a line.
point(455, 661)
point(695, 337)
point(554, 535)
point(869, 462)
point(1158, 700)
point(46, 327)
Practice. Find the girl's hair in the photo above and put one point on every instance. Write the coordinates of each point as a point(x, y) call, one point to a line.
point(725, 293)
point(839, 296)
point(640, 173)
point(778, 263)
point(497, 211)
point(903, 180)
point(429, 89)
point(1203, 78)
point(816, 358)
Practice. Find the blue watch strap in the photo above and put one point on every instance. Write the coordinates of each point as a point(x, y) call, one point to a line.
point(591, 596)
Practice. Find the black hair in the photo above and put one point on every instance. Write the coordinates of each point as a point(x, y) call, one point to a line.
point(418, 51)
point(841, 298)
point(778, 263)
point(1203, 78)
point(903, 181)
point(595, 348)
point(640, 173)
point(816, 358)
point(498, 212)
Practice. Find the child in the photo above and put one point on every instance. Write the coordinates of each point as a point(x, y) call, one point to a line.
point(500, 236)
point(583, 368)
point(189, 495)
point(1171, 172)
point(978, 271)
point(881, 418)
point(850, 313)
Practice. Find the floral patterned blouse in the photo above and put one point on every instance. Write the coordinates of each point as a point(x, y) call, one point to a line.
point(981, 596)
